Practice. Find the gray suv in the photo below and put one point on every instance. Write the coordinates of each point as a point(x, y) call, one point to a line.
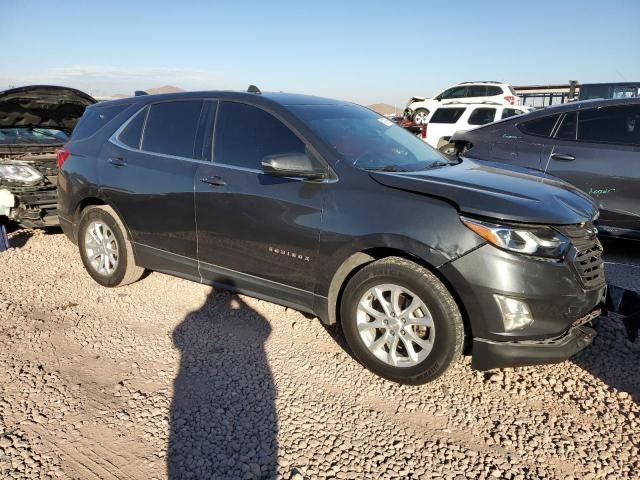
point(593, 144)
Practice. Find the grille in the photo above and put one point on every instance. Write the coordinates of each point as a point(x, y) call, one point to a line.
point(589, 264)
point(586, 253)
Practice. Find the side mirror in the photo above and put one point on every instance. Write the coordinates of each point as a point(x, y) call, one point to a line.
point(292, 165)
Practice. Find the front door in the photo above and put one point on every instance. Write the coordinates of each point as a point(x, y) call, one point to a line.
point(257, 233)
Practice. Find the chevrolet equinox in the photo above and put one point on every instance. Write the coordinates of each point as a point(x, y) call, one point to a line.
point(331, 209)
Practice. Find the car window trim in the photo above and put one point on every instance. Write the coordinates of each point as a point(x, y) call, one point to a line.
point(116, 141)
point(558, 125)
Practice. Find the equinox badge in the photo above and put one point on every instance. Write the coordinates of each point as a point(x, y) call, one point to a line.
point(289, 253)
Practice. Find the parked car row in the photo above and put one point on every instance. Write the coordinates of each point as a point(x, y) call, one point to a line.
point(592, 144)
point(329, 208)
point(454, 117)
point(419, 108)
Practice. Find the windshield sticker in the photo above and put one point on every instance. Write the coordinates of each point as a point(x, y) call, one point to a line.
point(385, 121)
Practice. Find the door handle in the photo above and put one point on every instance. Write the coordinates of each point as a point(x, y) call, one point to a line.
point(117, 161)
point(214, 181)
point(563, 157)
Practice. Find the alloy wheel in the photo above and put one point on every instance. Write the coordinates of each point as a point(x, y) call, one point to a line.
point(101, 248)
point(395, 325)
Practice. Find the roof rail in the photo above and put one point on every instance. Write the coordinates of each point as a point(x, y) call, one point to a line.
point(481, 81)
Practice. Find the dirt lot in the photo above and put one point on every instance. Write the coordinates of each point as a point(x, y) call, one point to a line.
point(167, 378)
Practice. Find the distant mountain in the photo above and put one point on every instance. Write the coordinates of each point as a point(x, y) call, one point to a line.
point(385, 109)
point(164, 89)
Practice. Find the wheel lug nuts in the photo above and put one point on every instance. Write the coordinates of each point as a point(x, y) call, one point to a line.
point(402, 332)
point(392, 333)
point(386, 322)
point(393, 314)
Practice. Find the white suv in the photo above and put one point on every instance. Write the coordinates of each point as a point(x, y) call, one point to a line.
point(455, 117)
point(419, 108)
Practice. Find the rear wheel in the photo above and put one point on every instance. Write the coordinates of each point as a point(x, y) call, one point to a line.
point(401, 322)
point(106, 253)
point(420, 116)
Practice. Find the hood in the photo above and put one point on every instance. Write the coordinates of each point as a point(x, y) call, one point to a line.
point(43, 106)
point(499, 191)
point(416, 99)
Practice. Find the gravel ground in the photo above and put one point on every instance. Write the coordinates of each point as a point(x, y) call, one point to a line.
point(167, 378)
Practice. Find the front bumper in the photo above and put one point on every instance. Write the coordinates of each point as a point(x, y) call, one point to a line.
point(33, 207)
point(488, 354)
point(563, 297)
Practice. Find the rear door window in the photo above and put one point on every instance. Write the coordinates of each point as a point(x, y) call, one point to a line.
point(510, 112)
point(541, 127)
point(171, 128)
point(618, 124)
point(476, 91)
point(246, 134)
point(482, 116)
point(567, 128)
point(492, 91)
point(132, 133)
point(447, 115)
point(96, 117)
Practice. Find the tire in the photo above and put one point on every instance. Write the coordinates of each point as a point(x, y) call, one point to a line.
point(442, 337)
point(420, 116)
point(449, 149)
point(121, 268)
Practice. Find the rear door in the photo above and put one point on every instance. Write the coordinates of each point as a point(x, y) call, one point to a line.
point(256, 232)
point(147, 173)
point(597, 150)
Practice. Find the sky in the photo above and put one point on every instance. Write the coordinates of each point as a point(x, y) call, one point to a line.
point(362, 51)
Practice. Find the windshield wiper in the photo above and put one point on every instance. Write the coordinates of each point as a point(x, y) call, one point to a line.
point(387, 168)
point(441, 163)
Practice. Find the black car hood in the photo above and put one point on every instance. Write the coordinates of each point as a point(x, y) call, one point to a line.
point(43, 106)
point(499, 191)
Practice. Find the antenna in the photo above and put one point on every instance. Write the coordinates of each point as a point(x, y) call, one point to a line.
point(139, 93)
point(254, 89)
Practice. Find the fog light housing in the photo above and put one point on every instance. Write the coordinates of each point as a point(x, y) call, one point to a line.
point(515, 313)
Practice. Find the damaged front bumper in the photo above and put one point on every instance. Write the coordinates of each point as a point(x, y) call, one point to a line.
point(7, 202)
point(489, 354)
point(30, 206)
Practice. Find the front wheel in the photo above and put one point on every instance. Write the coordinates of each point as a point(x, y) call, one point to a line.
point(420, 116)
point(401, 322)
point(106, 253)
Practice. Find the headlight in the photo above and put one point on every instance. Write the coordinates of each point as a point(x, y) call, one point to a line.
point(16, 172)
point(538, 241)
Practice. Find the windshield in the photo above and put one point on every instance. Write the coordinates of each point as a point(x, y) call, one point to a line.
point(31, 135)
point(368, 141)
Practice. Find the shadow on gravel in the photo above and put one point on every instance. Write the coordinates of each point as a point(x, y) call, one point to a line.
point(19, 236)
point(223, 421)
point(613, 358)
point(615, 354)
